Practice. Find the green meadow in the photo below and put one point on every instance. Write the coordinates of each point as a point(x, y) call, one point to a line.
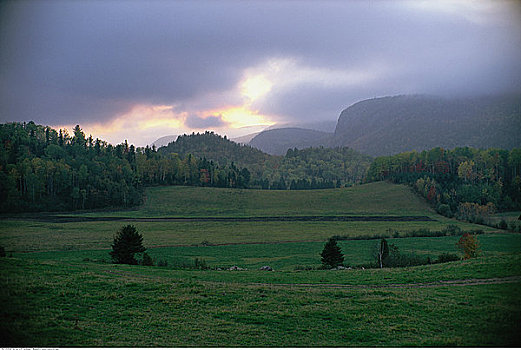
point(58, 287)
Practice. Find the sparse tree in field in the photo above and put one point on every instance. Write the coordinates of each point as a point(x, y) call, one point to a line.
point(127, 242)
point(382, 253)
point(332, 254)
point(469, 245)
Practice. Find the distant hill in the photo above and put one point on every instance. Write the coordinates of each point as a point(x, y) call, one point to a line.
point(163, 141)
point(325, 125)
point(220, 149)
point(389, 125)
point(244, 140)
point(299, 169)
point(278, 141)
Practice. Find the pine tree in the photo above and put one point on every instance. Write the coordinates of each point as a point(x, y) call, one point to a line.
point(127, 242)
point(332, 254)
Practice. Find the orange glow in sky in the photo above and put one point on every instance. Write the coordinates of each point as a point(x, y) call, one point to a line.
point(146, 123)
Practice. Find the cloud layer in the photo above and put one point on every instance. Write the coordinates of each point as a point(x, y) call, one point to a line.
point(230, 64)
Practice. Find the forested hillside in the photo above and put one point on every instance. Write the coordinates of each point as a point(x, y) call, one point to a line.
point(45, 169)
point(278, 141)
point(389, 125)
point(319, 168)
point(220, 150)
point(468, 183)
point(299, 169)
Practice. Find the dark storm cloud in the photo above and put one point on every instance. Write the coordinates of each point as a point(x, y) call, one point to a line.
point(89, 60)
point(211, 121)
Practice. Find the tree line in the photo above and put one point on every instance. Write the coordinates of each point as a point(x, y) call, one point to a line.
point(468, 183)
point(42, 169)
point(310, 168)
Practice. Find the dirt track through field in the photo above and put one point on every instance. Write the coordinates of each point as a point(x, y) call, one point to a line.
point(450, 283)
point(66, 219)
point(436, 284)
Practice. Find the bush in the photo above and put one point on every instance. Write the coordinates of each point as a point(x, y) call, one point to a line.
point(393, 257)
point(503, 224)
point(127, 242)
point(444, 209)
point(469, 245)
point(200, 264)
point(447, 257)
point(452, 230)
point(2, 252)
point(147, 260)
point(162, 263)
point(332, 254)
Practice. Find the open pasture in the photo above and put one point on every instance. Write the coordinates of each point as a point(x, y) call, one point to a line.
point(90, 304)
point(379, 198)
point(60, 289)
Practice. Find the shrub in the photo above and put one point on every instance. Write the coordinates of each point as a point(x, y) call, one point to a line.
point(332, 254)
point(162, 263)
point(127, 242)
point(446, 257)
point(2, 252)
point(393, 257)
point(444, 209)
point(503, 224)
point(200, 264)
point(147, 260)
point(452, 230)
point(469, 245)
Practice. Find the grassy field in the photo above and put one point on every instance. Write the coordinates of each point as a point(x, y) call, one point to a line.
point(52, 304)
point(372, 199)
point(58, 288)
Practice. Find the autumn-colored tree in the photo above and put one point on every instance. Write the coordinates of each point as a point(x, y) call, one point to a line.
point(469, 246)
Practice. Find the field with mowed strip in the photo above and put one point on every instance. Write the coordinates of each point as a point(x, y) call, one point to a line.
point(59, 288)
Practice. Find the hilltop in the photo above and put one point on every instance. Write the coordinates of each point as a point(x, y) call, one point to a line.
point(390, 125)
point(219, 149)
point(278, 141)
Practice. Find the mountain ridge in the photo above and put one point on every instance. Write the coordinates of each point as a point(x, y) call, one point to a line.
point(394, 124)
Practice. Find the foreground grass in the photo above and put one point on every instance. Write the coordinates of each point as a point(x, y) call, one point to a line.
point(51, 304)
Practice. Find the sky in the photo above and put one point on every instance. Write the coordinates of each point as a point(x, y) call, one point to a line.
point(139, 70)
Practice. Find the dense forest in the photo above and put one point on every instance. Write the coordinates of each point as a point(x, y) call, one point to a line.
point(319, 167)
point(44, 169)
point(310, 168)
point(220, 150)
point(468, 183)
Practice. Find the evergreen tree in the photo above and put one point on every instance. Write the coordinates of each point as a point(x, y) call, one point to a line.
point(332, 254)
point(127, 242)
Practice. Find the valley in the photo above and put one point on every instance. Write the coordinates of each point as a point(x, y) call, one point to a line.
point(59, 286)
